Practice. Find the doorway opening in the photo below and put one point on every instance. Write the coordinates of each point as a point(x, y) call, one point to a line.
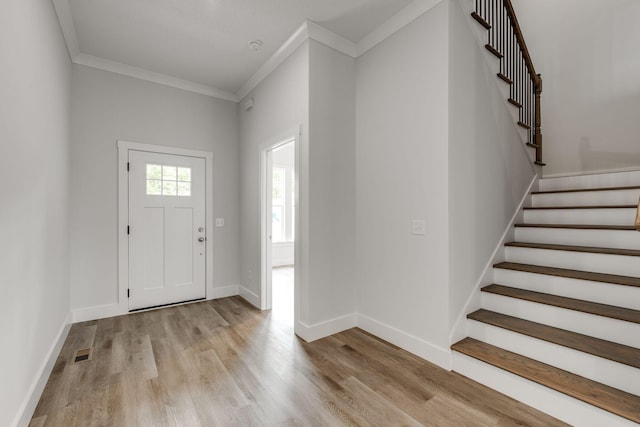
point(278, 218)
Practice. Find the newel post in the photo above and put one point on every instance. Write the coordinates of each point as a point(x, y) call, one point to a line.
point(538, 122)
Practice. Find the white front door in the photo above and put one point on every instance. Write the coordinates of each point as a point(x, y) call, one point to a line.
point(167, 246)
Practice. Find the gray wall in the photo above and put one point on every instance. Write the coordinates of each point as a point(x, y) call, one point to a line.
point(107, 107)
point(34, 149)
point(332, 189)
point(587, 52)
point(489, 167)
point(401, 175)
point(281, 105)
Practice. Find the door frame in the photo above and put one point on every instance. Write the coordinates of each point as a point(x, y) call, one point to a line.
point(265, 245)
point(123, 212)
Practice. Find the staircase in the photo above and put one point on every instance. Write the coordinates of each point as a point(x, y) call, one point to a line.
point(559, 329)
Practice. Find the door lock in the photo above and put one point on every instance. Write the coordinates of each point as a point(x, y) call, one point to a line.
point(201, 239)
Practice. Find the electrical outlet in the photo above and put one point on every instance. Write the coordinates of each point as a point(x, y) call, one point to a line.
point(418, 227)
point(219, 222)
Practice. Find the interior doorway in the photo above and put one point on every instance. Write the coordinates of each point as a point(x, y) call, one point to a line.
point(278, 238)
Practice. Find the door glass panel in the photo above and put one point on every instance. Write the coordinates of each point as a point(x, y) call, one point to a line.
point(154, 187)
point(167, 180)
point(169, 188)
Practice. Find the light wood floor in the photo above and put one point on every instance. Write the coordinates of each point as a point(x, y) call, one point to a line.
point(225, 363)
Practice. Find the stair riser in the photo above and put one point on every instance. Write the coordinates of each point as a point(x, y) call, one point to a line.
point(595, 368)
point(621, 179)
point(561, 406)
point(587, 198)
point(621, 239)
point(618, 331)
point(581, 216)
point(603, 293)
point(599, 263)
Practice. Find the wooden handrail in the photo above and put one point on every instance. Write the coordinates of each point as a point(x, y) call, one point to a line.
point(535, 77)
point(506, 42)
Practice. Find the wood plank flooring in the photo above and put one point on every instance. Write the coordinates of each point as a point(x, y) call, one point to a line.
point(225, 363)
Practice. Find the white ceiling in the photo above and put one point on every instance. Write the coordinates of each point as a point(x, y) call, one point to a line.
point(205, 41)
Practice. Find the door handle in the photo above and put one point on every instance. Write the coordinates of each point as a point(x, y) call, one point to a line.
point(201, 239)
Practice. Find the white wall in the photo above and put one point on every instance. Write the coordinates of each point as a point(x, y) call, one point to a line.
point(402, 175)
point(489, 167)
point(34, 151)
point(107, 107)
point(331, 183)
point(587, 53)
point(281, 104)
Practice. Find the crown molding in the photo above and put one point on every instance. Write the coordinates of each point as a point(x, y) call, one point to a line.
point(401, 19)
point(321, 34)
point(308, 30)
point(151, 76)
point(283, 52)
point(66, 25)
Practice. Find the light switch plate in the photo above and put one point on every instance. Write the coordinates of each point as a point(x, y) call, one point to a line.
point(219, 222)
point(418, 227)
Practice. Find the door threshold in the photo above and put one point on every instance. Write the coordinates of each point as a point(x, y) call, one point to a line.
point(167, 305)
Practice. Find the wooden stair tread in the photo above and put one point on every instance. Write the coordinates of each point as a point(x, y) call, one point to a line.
point(514, 103)
point(569, 248)
point(620, 353)
point(579, 190)
point(481, 20)
point(494, 51)
point(504, 78)
point(573, 274)
point(604, 310)
point(581, 207)
point(600, 395)
point(581, 226)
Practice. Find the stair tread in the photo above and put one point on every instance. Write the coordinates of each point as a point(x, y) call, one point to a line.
point(578, 190)
point(604, 310)
point(595, 346)
point(580, 226)
point(600, 395)
point(481, 20)
point(569, 248)
point(573, 274)
point(581, 207)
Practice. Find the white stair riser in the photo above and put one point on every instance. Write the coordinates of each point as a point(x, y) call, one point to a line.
point(621, 239)
point(599, 263)
point(580, 216)
point(587, 198)
point(602, 180)
point(603, 293)
point(595, 368)
point(559, 405)
point(605, 328)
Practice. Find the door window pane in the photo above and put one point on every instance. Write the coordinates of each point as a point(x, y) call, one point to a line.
point(167, 180)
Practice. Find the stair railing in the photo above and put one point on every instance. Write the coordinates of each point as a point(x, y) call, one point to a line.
point(505, 40)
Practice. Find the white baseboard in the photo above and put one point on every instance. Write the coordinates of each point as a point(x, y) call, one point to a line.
point(224, 292)
point(324, 329)
point(98, 312)
point(408, 342)
point(23, 418)
point(249, 296)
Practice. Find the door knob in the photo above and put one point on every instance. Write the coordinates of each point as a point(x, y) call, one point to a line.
point(201, 239)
